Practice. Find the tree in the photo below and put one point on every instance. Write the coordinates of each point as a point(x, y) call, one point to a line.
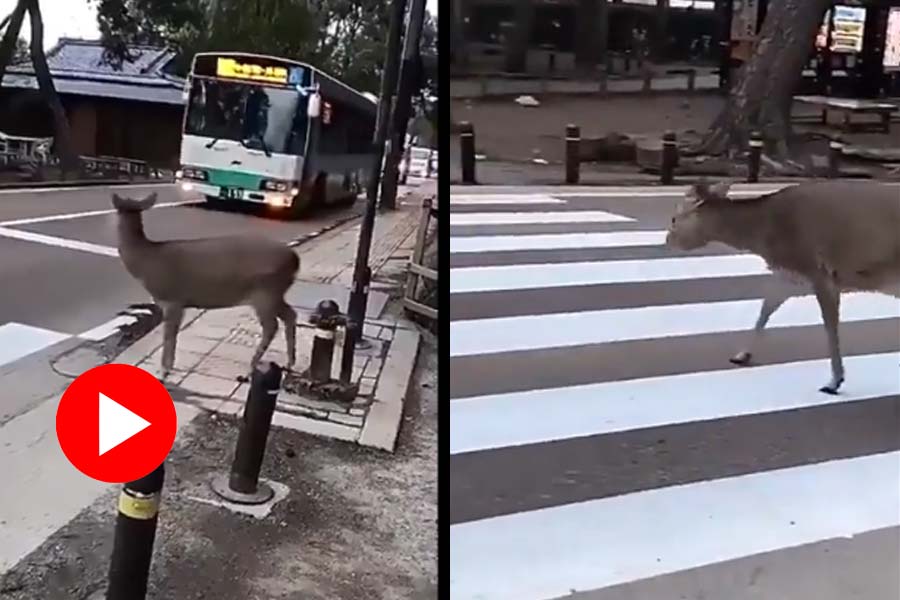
point(63, 134)
point(343, 37)
point(8, 48)
point(11, 26)
point(761, 97)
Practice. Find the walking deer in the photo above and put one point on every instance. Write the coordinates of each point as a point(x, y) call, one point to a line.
point(823, 237)
point(209, 273)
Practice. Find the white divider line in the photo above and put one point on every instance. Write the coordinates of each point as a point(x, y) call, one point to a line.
point(509, 334)
point(476, 199)
point(535, 416)
point(18, 340)
point(531, 276)
point(79, 215)
point(523, 218)
point(552, 552)
point(49, 240)
point(83, 188)
point(556, 241)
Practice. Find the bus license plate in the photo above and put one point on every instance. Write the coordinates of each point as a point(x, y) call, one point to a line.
point(232, 193)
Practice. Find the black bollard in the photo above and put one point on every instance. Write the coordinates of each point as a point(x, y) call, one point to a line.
point(242, 485)
point(691, 80)
point(327, 317)
point(133, 539)
point(835, 151)
point(573, 153)
point(467, 151)
point(669, 158)
point(756, 146)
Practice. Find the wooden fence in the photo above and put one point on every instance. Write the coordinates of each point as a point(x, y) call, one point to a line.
point(416, 268)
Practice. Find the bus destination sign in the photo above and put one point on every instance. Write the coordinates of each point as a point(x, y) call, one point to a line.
point(229, 67)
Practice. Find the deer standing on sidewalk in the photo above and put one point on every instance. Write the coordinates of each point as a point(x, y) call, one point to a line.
point(209, 273)
point(823, 237)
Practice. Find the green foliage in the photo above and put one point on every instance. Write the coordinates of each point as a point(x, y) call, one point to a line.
point(342, 37)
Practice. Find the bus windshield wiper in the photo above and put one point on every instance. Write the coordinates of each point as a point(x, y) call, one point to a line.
point(262, 143)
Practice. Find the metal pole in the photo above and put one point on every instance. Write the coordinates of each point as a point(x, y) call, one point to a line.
point(835, 150)
point(134, 536)
point(756, 146)
point(242, 484)
point(573, 158)
point(669, 158)
point(356, 309)
point(467, 151)
point(409, 76)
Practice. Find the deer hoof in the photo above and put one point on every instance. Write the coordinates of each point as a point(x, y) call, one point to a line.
point(832, 387)
point(741, 358)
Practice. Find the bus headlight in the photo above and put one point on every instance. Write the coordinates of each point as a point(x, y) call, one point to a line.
point(192, 173)
point(273, 185)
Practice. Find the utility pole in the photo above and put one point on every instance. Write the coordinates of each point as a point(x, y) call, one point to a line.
point(359, 293)
point(409, 79)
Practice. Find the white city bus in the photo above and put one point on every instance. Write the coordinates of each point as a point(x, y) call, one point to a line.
point(273, 131)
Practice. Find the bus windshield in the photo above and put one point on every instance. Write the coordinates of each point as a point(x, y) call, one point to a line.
point(261, 118)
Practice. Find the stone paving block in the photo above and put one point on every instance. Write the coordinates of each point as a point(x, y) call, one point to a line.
point(209, 386)
point(372, 331)
point(211, 332)
point(240, 392)
point(222, 367)
point(372, 369)
point(357, 412)
point(231, 351)
point(345, 419)
point(231, 407)
point(294, 399)
point(366, 387)
point(188, 341)
point(316, 427)
point(209, 403)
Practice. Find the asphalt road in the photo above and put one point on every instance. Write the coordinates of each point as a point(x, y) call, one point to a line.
point(56, 286)
point(604, 448)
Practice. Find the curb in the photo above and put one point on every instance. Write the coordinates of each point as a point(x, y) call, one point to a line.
point(382, 424)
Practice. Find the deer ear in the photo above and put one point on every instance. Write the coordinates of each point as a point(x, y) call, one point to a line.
point(698, 193)
point(148, 202)
point(117, 202)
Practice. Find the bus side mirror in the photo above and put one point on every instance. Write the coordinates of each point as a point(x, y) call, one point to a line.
point(314, 107)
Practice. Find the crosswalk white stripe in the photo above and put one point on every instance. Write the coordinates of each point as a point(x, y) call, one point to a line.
point(531, 332)
point(534, 416)
point(18, 341)
point(588, 545)
point(555, 241)
point(526, 218)
point(463, 199)
point(548, 275)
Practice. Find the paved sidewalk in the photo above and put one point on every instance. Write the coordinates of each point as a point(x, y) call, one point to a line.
point(214, 347)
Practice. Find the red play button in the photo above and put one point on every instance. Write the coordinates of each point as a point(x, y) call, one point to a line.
point(116, 423)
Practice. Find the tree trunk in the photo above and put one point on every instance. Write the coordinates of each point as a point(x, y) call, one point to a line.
point(8, 45)
point(63, 134)
point(520, 37)
point(763, 92)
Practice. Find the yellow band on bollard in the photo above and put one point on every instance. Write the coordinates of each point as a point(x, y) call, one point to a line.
point(141, 509)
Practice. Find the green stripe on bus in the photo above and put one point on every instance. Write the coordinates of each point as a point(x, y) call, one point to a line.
point(223, 178)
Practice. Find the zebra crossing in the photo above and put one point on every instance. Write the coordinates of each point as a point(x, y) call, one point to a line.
point(602, 445)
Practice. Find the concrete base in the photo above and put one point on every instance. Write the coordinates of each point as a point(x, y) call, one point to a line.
point(259, 511)
point(220, 486)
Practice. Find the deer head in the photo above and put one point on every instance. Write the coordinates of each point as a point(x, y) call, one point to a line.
point(693, 225)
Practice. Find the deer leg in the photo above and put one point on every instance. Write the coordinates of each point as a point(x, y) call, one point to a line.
point(289, 318)
point(172, 316)
point(777, 293)
point(267, 318)
point(829, 298)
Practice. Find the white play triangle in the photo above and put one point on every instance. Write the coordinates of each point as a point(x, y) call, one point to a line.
point(117, 424)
